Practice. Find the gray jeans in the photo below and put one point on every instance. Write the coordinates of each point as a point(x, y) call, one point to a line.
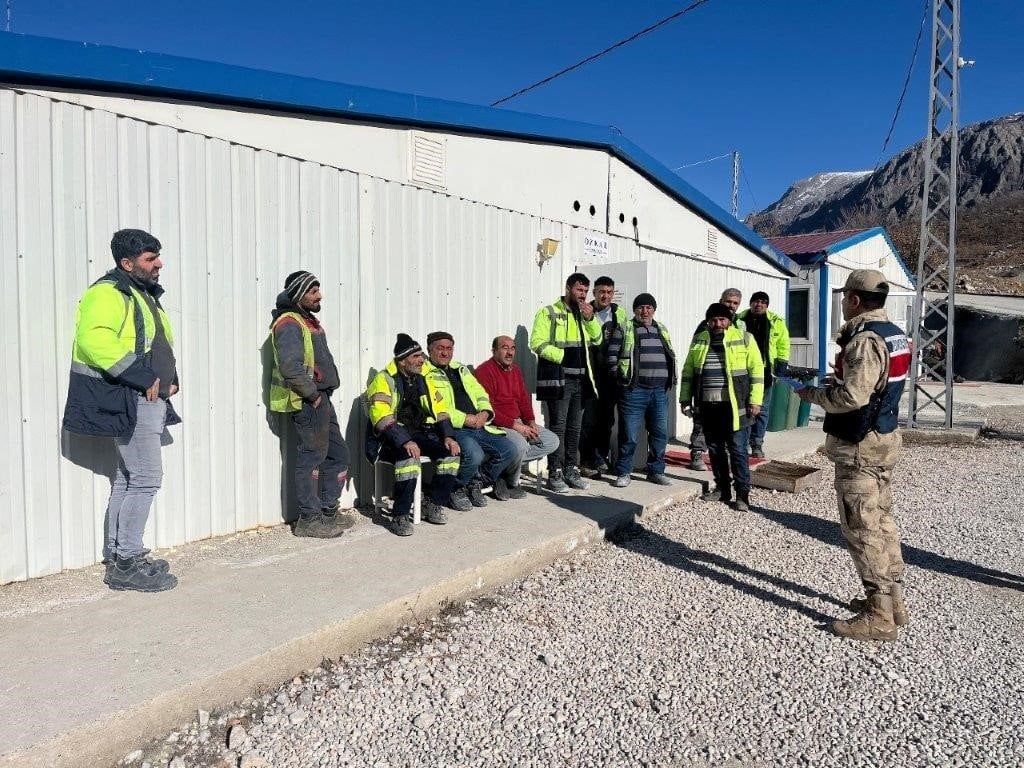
point(526, 451)
point(139, 472)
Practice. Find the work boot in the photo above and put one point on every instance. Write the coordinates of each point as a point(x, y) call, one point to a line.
point(742, 503)
point(600, 465)
point(621, 481)
point(874, 622)
point(658, 478)
point(460, 501)
point(402, 525)
point(476, 494)
point(697, 461)
point(503, 491)
point(556, 482)
point(756, 451)
point(433, 513)
point(574, 480)
point(335, 516)
point(156, 565)
point(317, 527)
point(723, 495)
point(133, 574)
point(900, 617)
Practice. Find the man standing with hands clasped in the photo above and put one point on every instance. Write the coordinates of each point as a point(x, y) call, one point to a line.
point(862, 423)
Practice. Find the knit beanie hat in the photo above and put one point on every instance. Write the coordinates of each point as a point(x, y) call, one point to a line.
point(438, 335)
point(405, 346)
point(718, 310)
point(642, 299)
point(298, 283)
point(759, 296)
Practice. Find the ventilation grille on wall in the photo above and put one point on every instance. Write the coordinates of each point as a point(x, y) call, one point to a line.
point(427, 160)
point(712, 243)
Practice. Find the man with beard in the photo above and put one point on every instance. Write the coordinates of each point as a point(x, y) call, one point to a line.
point(303, 379)
point(123, 374)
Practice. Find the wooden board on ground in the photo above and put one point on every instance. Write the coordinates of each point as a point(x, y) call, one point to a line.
point(784, 476)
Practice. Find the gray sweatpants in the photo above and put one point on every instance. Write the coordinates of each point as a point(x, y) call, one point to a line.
point(139, 473)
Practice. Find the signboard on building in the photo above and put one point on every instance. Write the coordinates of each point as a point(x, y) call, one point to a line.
point(595, 249)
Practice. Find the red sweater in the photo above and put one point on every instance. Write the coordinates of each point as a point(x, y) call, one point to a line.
point(507, 391)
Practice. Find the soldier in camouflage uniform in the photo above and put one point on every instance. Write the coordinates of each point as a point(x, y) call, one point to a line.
point(861, 407)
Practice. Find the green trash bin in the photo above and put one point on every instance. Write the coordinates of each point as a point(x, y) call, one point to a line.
point(803, 418)
point(793, 410)
point(781, 395)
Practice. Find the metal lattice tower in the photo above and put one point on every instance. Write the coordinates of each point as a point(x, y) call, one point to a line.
point(934, 315)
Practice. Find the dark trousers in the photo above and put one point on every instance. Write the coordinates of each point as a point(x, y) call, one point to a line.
point(726, 446)
point(407, 472)
point(321, 457)
point(565, 418)
point(697, 441)
point(598, 420)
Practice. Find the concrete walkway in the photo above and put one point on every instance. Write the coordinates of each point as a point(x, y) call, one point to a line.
point(91, 674)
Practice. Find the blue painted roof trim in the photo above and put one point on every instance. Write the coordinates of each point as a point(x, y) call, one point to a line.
point(30, 60)
point(867, 234)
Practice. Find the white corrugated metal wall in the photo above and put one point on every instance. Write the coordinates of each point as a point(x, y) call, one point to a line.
point(234, 221)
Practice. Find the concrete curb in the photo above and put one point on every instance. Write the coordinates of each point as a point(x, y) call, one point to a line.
point(107, 740)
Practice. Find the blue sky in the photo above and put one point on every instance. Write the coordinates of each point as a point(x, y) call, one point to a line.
point(798, 86)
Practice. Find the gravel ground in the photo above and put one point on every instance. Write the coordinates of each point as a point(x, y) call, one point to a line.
point(698, 637)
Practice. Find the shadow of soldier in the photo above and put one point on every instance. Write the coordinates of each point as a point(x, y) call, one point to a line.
point(829, 532)
point(722, 570)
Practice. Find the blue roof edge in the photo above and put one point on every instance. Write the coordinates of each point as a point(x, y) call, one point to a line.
point(32, 60)
point(868, 234)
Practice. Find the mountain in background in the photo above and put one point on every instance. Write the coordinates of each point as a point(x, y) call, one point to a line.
point(990, 217)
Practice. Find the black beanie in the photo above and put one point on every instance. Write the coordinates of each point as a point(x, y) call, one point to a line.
point(760, 296)
point(298, 283)
point(644, 298)
point(438, 335)
point(405, 346)
point(718, 310)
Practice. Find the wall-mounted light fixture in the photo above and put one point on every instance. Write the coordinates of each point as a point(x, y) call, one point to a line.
point(546, 248)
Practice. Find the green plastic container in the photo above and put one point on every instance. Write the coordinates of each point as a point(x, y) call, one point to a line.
point(781, 395)
point(803, 418)
point(793, 411)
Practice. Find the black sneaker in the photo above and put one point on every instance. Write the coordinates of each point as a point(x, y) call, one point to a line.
point(317, 527)
point(556, 482)
point(500, 490)
point(460, 501)
point(756, 452)
point(156, 565)
point(334, 515)
point(402, 526)
point(574, 480)
point(717, 494)
point(433, 513)
point(476, 494)
point(600, 466)
point(133, 575)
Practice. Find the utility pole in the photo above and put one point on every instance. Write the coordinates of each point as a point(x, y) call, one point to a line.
point(8, 15)
point(934, 316)
point(736, 183)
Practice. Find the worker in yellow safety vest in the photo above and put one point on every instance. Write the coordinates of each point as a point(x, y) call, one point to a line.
point(123, 374)
point(723, 381)
point(303, 378)
point(409, 422)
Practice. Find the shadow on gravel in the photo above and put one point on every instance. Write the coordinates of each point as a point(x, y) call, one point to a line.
point(829, 532)
point(643, 541)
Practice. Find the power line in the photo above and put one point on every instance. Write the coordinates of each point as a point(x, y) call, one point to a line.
point(743, 172)
point(701, 162)
point(906, 83)
point(599, 54)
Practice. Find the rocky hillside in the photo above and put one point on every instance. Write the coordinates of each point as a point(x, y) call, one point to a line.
point(990, 223)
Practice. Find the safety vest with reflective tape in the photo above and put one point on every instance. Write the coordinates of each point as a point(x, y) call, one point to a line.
point(554, 329)
point(283, 399)
point(439, 382)
point(629, 357)
point(744, 372)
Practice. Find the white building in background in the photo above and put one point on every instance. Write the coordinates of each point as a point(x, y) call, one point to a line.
point(825, 260)
point(417, 214)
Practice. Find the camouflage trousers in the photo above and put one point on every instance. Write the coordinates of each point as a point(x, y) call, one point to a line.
point(863, 489)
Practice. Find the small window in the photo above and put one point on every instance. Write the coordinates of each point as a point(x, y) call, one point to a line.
point(800, 313)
